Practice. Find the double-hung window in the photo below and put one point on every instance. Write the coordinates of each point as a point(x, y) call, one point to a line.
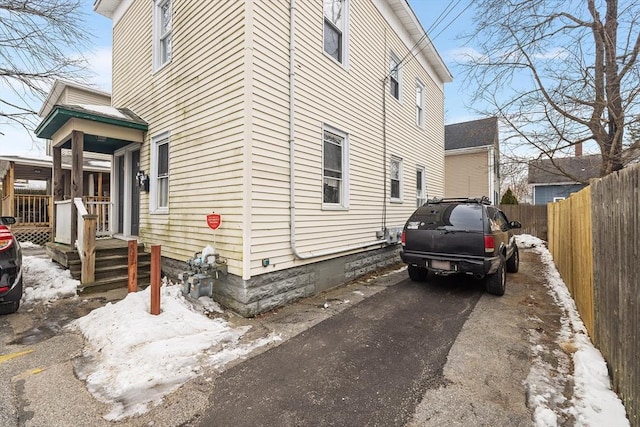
point(334, 169)
point(419, 104)
point(396, 179)
point(421, 187)
point(159, 191)
point(163, 22)
point(394, 77)
point(335, 23)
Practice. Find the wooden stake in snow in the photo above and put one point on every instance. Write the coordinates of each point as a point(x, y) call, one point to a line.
point(132, 285)
point(155, 279)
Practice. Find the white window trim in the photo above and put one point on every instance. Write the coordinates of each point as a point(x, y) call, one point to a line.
point(421, 200)
point(400, 177)
point(157, 64)
point(153, 184)
point(557, 199)
point(395, 58)
point(420, 119)
point(345, 37)
point(344, 204)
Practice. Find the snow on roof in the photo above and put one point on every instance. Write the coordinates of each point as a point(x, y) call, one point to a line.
point(104, 110)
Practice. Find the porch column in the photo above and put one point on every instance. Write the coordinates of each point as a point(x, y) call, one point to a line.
point(77, 184)
point(8, 192)
point(100, 186)
point(58, 189)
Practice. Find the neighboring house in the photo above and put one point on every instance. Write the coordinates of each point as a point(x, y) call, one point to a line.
point(26, 190)
point(555, 179)
point(313, 132)
point(472, 159)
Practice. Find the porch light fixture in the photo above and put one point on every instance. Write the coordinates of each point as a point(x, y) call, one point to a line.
point(143, 181)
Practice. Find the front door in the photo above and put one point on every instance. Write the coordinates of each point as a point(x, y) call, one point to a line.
point(127, 166)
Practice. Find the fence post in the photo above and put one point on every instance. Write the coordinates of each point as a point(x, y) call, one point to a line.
point(155, 279)
point(88, 272)
point(132, 285)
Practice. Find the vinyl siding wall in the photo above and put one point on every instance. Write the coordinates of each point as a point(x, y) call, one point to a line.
point(73, 95)
point(199, 99)
point(543, 194)
point(224, 98)
point(349, 99)
point(467, 175)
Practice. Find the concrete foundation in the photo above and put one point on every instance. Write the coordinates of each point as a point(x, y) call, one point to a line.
point(270, 290)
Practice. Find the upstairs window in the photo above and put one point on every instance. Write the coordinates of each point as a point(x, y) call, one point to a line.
point(163, 32)
point(394, 77)
point(334, 28)
point(419, 104)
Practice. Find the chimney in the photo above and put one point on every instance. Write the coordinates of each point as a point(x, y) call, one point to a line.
point(578, 148)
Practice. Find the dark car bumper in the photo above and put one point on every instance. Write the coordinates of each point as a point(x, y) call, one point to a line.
point(452, 264)
point(10, 277)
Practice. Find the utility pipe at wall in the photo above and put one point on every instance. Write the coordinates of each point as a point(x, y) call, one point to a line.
point(292, 152)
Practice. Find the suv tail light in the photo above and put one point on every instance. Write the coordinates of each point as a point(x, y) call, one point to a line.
point(403, 238)
point(6, 238)
point(489, 244)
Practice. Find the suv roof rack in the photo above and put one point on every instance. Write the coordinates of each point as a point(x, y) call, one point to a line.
point(484, 200)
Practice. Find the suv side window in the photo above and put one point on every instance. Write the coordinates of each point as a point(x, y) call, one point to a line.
point(497, 222)
point(501, 221)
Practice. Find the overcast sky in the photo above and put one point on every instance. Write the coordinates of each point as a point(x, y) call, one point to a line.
point(443, 21)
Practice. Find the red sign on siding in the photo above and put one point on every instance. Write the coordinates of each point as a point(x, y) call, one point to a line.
point(213, 221)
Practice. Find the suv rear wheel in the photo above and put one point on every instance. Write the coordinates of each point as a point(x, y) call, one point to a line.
point(495, 283)
point(417, 274)
point(513, 263)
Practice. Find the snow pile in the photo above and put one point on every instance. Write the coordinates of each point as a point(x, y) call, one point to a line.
point(132, 358)
point(45, 281)
point(593, 402)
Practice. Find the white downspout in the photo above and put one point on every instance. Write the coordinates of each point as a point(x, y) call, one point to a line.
point(292, 152)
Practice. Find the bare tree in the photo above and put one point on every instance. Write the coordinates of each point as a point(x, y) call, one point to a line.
point(560, 73)
point(40, 41)
point(513, 175)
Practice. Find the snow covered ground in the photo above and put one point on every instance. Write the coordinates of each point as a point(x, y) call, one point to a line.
point(593, 403)
point(133, 358)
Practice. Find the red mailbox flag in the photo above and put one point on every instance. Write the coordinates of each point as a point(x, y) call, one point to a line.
point(213, 221)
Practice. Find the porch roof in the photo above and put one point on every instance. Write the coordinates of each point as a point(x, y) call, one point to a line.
point(39, 168)
point(106, 129)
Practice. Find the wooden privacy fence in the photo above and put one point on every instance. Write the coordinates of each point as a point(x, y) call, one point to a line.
point(532, 217)
point(616, 239)
point(594, 237)
point(571, 246)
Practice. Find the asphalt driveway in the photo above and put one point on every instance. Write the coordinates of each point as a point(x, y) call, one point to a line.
point(368, 365)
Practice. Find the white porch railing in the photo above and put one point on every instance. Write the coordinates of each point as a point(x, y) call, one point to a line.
point(63, 222)
point(82, 211)
point(92, 205)
point(103, 210)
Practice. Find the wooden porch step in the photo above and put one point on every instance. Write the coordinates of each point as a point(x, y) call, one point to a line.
point(112, 264)
point(113, 282)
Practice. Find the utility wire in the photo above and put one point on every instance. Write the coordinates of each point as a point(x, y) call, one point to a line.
point(414, 54)
point(443, 15)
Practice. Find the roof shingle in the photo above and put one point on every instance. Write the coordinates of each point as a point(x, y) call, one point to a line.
point(476, 133)
point(565, 169)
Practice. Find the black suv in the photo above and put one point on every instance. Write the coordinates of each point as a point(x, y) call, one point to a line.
point(468, 236)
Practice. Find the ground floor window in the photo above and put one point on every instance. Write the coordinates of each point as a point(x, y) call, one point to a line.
point(396, 179)
point(421, 186)
point(159, 190)
point(334, 168)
